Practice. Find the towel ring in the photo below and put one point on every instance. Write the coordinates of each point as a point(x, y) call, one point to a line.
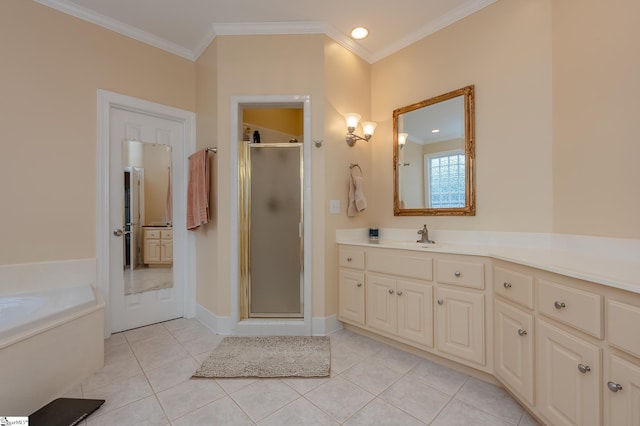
point(354, 165)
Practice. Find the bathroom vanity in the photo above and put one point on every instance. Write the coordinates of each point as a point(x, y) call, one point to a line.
point(563, 339)
point(157, 243)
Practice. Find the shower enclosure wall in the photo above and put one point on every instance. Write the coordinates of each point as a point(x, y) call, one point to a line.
point(272, 230)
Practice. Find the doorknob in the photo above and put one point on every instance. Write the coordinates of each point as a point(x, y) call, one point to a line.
point(118, 232)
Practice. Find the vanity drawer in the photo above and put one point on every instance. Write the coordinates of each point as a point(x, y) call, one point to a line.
point(351, 258)
point(402, 263)
point(513, 285)
point(166, 234)
point(151, 233)
point(622, 319)
point(577, 308)
point(465, 274)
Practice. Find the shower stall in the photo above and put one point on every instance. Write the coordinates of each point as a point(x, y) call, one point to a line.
point(271, 243)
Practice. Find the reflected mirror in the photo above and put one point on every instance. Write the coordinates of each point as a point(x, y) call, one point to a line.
point(148, 232)
point(433, 156)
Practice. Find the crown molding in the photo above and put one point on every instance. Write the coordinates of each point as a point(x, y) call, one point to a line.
point(265, 28)
point(443, 21)
point(118, 27)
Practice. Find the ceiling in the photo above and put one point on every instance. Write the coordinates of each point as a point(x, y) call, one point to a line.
point(186, 27)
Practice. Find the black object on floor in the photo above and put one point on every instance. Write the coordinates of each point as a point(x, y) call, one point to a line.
point(64, 412)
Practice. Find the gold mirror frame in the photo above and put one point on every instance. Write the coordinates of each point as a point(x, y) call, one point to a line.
point(469, 149)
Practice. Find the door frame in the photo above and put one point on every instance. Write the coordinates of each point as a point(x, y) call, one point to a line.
point(263, 325)
point(186, 247)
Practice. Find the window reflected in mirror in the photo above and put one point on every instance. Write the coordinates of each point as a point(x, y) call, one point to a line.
point(434, 152)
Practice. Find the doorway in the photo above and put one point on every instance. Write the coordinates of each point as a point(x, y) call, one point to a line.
point(295, 321)
point(272, 213)
point(123, 120)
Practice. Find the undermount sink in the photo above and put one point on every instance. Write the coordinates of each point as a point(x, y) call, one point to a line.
point(412, 244)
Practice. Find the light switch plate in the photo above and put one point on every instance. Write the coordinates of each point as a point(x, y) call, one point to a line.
point(334, 206)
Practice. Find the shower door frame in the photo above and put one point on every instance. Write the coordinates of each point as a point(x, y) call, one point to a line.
point(246, 310)
point(266, 326)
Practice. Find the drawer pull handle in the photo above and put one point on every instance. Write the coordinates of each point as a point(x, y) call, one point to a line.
point(349, 259)
point(614, 387)
point(399, 292)
point(390, 291)
point(522, 332)
point(440, 301)
point(457, 273)
point(559, 305)
point(583, 368)
point(359, 285)
point(506, 285)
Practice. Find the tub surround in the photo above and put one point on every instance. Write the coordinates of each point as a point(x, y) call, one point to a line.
point(44, 357)
point(611, 262)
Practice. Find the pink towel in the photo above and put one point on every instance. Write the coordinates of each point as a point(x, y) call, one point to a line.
point(198, 190)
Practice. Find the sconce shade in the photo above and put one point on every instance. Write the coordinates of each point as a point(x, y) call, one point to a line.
point(352, 119)
point(368, 127)
point(402, 138)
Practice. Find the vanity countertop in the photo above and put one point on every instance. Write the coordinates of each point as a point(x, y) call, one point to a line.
point(607, 261)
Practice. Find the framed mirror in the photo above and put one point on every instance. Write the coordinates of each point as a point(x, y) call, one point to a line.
point(433, 156)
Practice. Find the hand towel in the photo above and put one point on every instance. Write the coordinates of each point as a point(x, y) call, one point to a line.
point(352, 210)
point(361, 201)
point(198, 190)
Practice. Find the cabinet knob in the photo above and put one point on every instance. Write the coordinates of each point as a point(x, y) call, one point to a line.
point(390, 291)
point(349, 259)
point(506, 285)
point(440, 301)
point(522, 332)
point(457, 273)
point(614, 387)
point(359, 285)
point(559, 305)
point(399, 292)
point(583, 368)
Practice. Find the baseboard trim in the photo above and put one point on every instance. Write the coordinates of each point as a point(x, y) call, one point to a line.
point(322, 326)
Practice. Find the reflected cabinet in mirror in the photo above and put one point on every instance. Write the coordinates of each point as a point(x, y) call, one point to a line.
point(433, 156)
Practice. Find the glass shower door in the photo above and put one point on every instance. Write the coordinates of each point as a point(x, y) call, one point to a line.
point(275, 230)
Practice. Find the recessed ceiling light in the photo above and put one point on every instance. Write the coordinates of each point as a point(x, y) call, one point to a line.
point(359, 33)
point(435, 131)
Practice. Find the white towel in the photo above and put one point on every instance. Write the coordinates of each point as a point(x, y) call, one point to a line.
point(352, 210)
point(361, 201)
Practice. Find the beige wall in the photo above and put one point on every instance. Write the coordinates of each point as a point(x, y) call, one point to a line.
point(505, 51)
point(285, 120)
point(52, 66)
point(596, 137)
point(249, 65)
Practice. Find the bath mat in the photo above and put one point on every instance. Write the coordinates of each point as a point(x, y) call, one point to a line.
point(268, 356)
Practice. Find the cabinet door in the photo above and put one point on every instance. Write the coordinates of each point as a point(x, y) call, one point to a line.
point(415, 312)
point(623, 402)
point(166, 251)
point(381, 303)
point(351, 297)
point(460, 324)
point(514, 349)
point(568, 377)
point(151, 250)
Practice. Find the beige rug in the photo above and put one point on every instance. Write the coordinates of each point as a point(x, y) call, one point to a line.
point(268, 356)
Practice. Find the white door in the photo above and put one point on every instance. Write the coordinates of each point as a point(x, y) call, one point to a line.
point(158, 293)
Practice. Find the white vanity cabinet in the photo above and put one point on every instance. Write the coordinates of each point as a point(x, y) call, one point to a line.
point(351, 285)
point(514, 333)
point(399, 295)
point(460, 309)
point(157, 245)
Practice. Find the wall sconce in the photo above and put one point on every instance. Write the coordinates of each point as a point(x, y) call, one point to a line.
point(352, 120)
point(402, 139)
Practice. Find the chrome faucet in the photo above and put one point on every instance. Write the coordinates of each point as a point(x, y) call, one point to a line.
point(424, 236)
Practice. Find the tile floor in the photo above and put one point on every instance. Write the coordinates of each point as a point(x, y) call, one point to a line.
point(146, 381)
point(145, 278)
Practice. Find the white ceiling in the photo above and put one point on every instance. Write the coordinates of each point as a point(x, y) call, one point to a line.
point(186, 27)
